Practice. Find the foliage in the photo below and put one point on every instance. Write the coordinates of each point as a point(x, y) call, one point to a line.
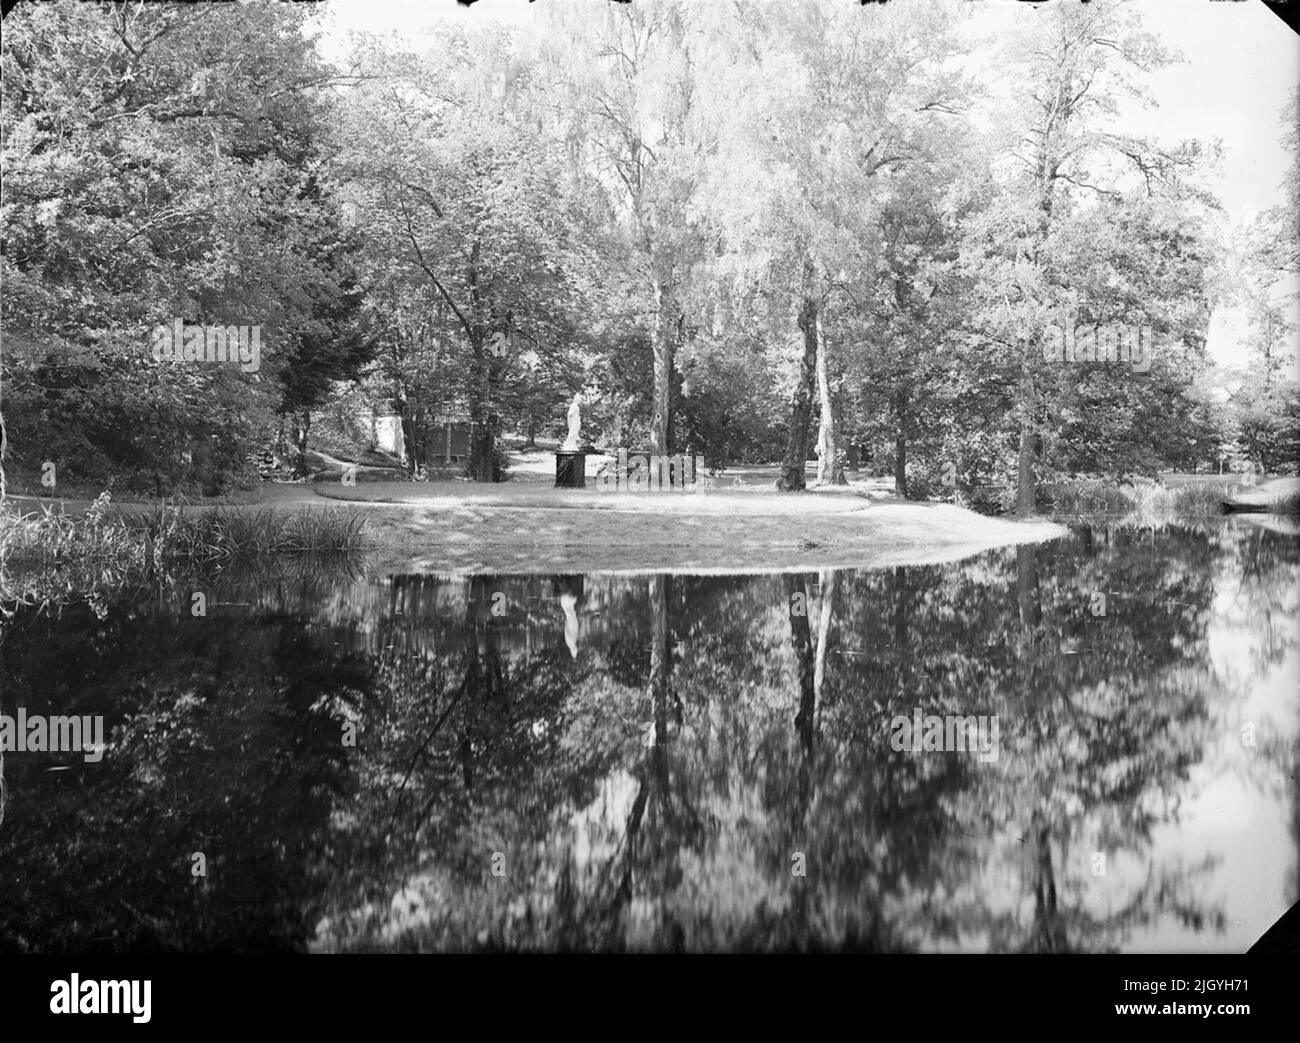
point(158, 163)
point(720, 226)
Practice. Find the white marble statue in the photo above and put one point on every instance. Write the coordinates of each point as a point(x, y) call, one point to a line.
point(575, 422)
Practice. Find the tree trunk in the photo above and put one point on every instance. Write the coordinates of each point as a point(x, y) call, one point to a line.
point(805, 662)
point(1029, 598)
point(665, 335)
point(532, 432)
point(830, 468)
point(1026, 485)
point(1048, 931)
point(482, 413)
point(482, 462)
point(413, 435)
point(900, 446)
point(660, 658)
point(1026, 480)
point(796, 451)
point(481, 446)
point(902, 603)
point(4, 448)
point(826, 580)
point(301, 429)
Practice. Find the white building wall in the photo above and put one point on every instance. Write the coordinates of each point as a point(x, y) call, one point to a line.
point(388, 435)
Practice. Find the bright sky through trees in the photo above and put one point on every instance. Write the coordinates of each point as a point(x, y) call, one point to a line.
point(1241, 62)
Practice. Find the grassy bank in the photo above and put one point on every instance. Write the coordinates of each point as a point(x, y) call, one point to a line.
point(50, 555)
point(459, 526)
point(1152, 501)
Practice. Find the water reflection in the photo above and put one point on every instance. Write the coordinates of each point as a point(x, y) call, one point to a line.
point(674, 762)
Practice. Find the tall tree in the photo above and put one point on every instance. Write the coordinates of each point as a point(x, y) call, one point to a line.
point(827, 104)
point(1079, 62)
point(631, 83)
point(457, 187)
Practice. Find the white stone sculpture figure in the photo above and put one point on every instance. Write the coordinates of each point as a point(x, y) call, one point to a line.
point(575, 422)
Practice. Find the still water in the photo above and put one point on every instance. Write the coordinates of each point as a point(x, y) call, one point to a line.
point(330, 761)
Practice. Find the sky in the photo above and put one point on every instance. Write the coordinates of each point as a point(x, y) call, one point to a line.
point(1241, 64)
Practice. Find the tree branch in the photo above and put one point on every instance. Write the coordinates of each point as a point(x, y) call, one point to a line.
point(437, 283)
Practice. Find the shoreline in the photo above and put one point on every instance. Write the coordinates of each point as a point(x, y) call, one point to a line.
point(452, 528)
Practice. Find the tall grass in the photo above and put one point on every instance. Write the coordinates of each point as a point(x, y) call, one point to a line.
point(1150, 502)
point(1198, 500)
point(1088, 497)
point(225, 534)
point(53, 556)
point(1288, 504)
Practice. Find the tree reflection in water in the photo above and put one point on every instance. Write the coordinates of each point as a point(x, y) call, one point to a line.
point(653, 758)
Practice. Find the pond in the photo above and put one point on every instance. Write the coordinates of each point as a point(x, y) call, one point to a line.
point(324, 761)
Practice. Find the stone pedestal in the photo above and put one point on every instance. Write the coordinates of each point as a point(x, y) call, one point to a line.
point(570, 469)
